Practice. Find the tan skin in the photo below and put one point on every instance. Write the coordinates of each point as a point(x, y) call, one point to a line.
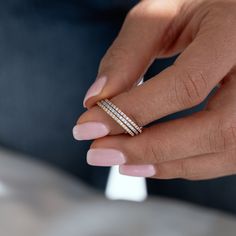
point(197, 147)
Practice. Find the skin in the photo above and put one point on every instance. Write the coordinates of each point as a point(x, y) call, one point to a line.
point(197, 147)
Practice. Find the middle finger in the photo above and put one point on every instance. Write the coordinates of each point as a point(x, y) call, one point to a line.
point(190, 136)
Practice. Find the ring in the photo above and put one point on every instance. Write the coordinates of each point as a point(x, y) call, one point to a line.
point(120, 117)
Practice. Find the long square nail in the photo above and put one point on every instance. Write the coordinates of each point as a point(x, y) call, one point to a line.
point(137, 170)
point(105, 157)
point(90, 130)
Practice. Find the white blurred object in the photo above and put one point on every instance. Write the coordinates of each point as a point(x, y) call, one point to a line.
point(4, 191)
point(121, 187)
point(44, 202)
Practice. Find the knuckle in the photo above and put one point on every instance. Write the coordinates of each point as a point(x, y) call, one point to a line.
point(231, 158)
point(186, 170)
point(228, 131)
point(154, 154)
point(229, 135)
point(224, 137)
point(183, 169)
point(155, 151)
point(191, 88)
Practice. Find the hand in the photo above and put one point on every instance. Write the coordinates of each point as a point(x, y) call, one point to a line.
point(200, 146)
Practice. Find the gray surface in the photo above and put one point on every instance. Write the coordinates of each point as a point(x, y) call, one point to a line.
point(36, 200)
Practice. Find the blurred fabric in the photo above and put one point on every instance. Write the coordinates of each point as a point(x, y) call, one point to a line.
point(40, 201)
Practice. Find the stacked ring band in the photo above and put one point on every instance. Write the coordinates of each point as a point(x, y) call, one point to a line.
point(120, 117)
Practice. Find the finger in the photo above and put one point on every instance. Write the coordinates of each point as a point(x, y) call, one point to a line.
point(198, 134)
point(181, 86)
point(199, 167)
point(224, 98)
point(133, 50)
point(194, 168)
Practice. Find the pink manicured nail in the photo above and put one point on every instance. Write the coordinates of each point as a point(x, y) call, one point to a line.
point(105, 157)
point(95, 89)
point(137, 170)
point(90, 130)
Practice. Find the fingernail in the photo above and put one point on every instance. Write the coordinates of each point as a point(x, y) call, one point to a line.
point(90, 130)
point(95, 89)
point(105, 157)
point(137, 170)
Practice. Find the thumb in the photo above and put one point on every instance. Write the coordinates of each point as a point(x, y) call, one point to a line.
point(132, 52)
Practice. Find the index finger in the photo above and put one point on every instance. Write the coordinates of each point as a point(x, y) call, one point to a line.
point(199, 68)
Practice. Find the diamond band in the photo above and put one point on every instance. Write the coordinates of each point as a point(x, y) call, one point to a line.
point(120, 117)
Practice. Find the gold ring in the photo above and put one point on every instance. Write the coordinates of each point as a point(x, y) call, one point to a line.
point(120, 117)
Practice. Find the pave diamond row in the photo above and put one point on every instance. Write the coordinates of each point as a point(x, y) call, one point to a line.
point(123, 120)
point(115, 118)
point(125, 116)
point(119, 117)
